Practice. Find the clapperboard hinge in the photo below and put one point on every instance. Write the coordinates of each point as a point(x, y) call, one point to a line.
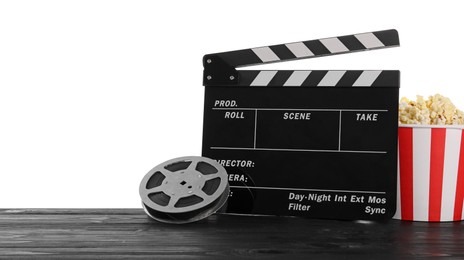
point(220, 68)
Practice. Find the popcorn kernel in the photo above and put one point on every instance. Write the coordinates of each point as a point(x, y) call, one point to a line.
point(436, 110)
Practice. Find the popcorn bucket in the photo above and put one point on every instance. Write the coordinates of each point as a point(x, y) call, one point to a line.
point(430, 173)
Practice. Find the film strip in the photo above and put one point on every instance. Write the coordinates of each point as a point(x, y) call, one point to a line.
point(314, 143)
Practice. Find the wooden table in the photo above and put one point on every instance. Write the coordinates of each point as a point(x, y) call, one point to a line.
point(130, 233)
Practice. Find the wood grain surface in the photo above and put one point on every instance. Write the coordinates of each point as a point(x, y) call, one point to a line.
point(131, 234)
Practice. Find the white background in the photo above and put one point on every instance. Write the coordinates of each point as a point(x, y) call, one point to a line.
point(93, 94)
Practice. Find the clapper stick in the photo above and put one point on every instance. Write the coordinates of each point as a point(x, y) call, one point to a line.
point(220, 68)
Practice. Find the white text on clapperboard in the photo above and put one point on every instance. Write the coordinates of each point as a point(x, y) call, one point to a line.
point(302, 201)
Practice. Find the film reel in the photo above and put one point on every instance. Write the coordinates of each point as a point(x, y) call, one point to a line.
point(184, 189)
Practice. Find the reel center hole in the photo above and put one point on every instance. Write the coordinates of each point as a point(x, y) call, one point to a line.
point(184, 182)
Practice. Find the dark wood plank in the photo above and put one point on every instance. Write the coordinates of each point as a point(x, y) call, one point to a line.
point(129, 233)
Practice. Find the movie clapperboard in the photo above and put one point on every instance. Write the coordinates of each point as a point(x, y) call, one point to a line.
point(313, 143)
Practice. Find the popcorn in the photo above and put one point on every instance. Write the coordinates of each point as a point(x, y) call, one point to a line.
point(437, 110)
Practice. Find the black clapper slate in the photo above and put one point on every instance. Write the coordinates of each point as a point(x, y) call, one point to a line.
point(320, 144)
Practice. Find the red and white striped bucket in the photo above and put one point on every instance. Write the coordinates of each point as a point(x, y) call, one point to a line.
point(430, 173)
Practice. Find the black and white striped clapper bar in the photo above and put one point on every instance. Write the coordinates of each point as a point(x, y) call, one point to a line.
point(313, 143)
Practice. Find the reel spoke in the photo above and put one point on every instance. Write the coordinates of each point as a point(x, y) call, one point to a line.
point(165, 172)
point(154, 190)
point(210, 177)
point(193, 165)
point(172, 202)
point(201, 194)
